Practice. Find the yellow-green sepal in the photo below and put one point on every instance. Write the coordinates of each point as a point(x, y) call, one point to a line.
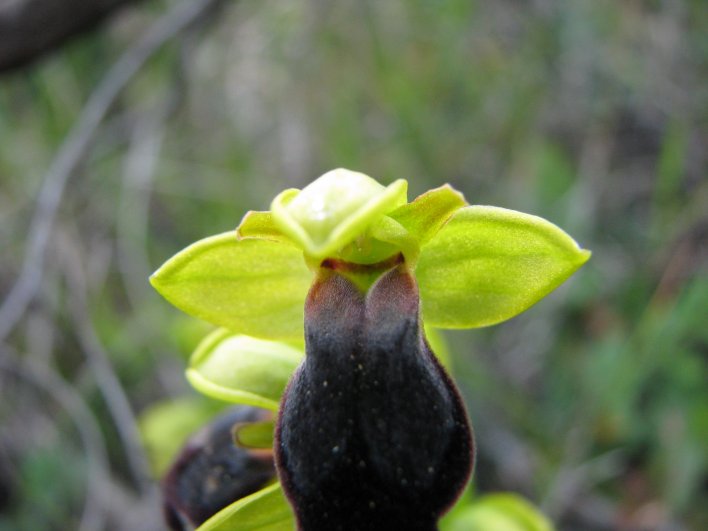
point(488, 264)
point(255, 286)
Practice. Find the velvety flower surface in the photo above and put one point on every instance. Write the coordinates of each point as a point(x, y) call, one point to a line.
point(210, 472)
point(372, 433)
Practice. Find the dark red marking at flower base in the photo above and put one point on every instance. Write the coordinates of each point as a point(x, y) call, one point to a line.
point(211, 472)
point(340, 265)
point(372, 433)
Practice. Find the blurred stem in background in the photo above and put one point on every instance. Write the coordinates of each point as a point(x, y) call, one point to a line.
point(31, 28)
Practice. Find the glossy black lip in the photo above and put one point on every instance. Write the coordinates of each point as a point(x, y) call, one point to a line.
point(372, 433)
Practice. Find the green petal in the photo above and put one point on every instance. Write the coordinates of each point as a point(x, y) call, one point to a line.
point(255, 434)
point(254, 286)
point(390, 231)
point(500, 512)
point(265, 510)
point(262, 226)
point(489, 264)
point(334, 210)
point(426, 214)
point(242, 369)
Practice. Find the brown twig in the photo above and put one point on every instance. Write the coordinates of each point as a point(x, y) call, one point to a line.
point(31, 28)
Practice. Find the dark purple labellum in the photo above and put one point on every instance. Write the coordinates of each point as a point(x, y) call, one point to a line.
point(372, 433)
point(211, 472)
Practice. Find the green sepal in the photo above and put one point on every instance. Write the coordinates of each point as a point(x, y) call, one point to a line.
point(253, 286)
point(488, 264)
point(334, 210)
point(265, 510)
point(426, 214)
point(242, 369)
point(254, 435)
point(261, 225)
point(499, 512)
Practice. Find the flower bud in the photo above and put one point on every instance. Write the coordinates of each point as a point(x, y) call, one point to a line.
point(211, 471)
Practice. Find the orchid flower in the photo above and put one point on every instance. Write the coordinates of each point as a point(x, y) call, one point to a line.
point(371, 432)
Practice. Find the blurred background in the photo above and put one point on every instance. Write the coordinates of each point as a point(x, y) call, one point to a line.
point(169, 120)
